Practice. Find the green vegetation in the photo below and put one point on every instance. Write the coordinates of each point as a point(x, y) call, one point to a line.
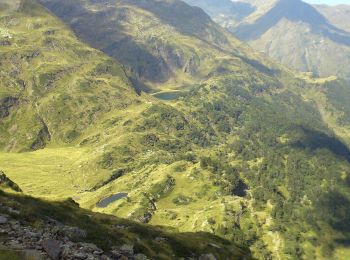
point(247, 152)
point(9, 255)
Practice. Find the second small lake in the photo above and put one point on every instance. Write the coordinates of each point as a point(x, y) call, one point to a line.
point(106, 201)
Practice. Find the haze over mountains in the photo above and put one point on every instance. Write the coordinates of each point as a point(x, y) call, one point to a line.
point(150, 111)
point(293, 32)
point(339, 15)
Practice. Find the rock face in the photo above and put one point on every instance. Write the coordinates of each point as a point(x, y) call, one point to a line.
point(43, 137)
point(6, 105)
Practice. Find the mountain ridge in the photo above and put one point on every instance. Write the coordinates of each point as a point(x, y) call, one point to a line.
point(318, 45)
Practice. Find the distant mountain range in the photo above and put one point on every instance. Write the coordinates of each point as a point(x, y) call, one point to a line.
point(299, 35)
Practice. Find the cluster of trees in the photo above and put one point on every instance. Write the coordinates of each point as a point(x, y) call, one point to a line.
point(225, 175)
point(294, 179)
point(275, 143)
point(290, 161)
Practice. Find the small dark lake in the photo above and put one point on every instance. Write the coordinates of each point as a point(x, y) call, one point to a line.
point(106, 201)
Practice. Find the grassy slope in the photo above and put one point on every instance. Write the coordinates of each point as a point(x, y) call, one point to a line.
point(58, 81)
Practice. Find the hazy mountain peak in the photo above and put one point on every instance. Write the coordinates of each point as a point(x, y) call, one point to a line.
point(305, 37)
point(293, 10)
point(338, 15)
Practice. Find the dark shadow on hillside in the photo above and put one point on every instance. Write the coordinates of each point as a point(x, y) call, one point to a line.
point(315, 140)
point(330, 218)
point(296, 11)
point(107, 231)
point(333, 208)
point(105, 30)
point(138, 61)
point(259, 66)
point(186, 19)
point(338, 95)
point(64, 8)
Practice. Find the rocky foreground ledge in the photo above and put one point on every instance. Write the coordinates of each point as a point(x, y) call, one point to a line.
point(36, 229)
point(54, 241)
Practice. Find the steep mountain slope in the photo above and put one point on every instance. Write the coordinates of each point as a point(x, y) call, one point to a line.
point(64, 94)
point(294, 33)
point(244, 150)
point(339, 15)
point(55, 86)
point(160, 43)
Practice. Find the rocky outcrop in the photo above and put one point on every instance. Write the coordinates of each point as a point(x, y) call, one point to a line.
point(50, 242)
point(53, 248)
point(6, 182)
point(158, 191)
point(116, 175)
point(6, 105)
point(5, 43)
point(43, 137)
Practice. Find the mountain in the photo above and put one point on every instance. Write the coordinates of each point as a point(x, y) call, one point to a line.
point(175, 62)
point(339, 15)
point(167, 119)
point(292, 32)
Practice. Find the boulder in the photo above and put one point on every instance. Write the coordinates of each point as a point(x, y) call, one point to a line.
point(89, 247)
point(52, 248)
point(80, 255)
point(3, 220)
point(127, 249)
